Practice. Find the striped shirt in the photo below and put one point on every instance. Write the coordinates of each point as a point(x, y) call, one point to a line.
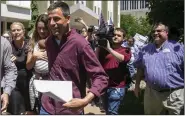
point(163, 68)
point(41, 66)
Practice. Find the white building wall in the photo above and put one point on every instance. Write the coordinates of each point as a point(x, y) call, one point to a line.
point(110, 10)
point(80, 1)
point(24, 4)
point(16, 10)
point(118, 14)
point(97, 7)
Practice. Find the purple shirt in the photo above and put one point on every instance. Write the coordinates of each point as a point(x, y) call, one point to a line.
point(164, 69)
point(73, 60)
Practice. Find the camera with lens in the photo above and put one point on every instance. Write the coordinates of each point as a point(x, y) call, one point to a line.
point(105, 33)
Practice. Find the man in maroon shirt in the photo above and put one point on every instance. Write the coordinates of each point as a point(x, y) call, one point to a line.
point(70, 58)
point(114, 60)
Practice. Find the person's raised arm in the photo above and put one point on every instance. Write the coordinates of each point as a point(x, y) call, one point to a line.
point(80, 20)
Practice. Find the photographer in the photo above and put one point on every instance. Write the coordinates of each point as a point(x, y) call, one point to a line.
point(87, 32)
point(91, 37)
point(114, 59)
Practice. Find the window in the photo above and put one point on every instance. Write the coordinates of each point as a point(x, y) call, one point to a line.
point(8, 25)
point(108, 14)
point(130, 5)
point(95, 9)
point(2, 23)
point(98, 11)
point(121, 2)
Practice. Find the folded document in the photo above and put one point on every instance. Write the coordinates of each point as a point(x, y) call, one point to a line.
point(58, 90)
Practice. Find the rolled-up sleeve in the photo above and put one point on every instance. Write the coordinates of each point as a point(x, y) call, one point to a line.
point(126, 53)
point(9, 69)
point(95, 71)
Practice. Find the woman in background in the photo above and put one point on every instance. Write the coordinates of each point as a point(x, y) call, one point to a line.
point(37, 58)
point(19, 98)
point(7, 35)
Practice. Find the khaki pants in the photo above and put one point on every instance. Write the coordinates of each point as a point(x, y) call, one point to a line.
point(156, 103)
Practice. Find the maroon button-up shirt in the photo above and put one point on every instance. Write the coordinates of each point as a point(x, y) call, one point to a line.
point(117, 71)
point(73, 60)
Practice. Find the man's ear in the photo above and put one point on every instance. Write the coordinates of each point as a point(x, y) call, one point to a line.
point(68, 19)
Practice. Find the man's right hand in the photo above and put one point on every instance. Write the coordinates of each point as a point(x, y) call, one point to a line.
point(4, 101)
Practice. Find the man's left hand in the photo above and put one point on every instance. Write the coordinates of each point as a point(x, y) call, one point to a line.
point(76, 104)
point(108, 48)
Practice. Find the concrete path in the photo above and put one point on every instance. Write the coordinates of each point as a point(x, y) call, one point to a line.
point(92, 110)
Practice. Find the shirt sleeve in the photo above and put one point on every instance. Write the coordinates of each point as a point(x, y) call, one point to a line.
point(181, 54)
point(95, 71)
point(10, 70)
point(138, 60)
point(126, 53)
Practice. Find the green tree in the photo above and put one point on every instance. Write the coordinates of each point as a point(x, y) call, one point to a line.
point(170, 12)
point(34, 15)
point(134, 25)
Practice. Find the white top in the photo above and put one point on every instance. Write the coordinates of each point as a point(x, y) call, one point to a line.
point(41, 66)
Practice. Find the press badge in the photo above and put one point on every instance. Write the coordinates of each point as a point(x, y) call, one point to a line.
point(166, 50)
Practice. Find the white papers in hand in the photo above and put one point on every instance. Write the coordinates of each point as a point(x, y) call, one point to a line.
point(58, 90)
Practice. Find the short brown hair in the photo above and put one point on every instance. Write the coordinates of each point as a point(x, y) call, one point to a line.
point(160, 23)
point(121, 30)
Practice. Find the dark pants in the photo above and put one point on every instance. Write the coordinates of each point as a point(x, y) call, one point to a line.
point(19, 101)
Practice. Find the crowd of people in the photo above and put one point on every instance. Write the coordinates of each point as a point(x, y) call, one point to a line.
point(55, 51)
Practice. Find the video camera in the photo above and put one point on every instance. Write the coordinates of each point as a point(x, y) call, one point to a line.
point(104, 34)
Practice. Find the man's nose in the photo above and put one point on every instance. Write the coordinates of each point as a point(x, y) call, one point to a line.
point(155, 32)
point(41, 30)
point(52, 22)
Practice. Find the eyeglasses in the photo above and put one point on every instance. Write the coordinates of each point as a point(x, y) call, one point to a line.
point(158, 31)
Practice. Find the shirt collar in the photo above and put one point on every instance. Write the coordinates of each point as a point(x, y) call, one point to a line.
point(65, 36)
point(163, 46)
